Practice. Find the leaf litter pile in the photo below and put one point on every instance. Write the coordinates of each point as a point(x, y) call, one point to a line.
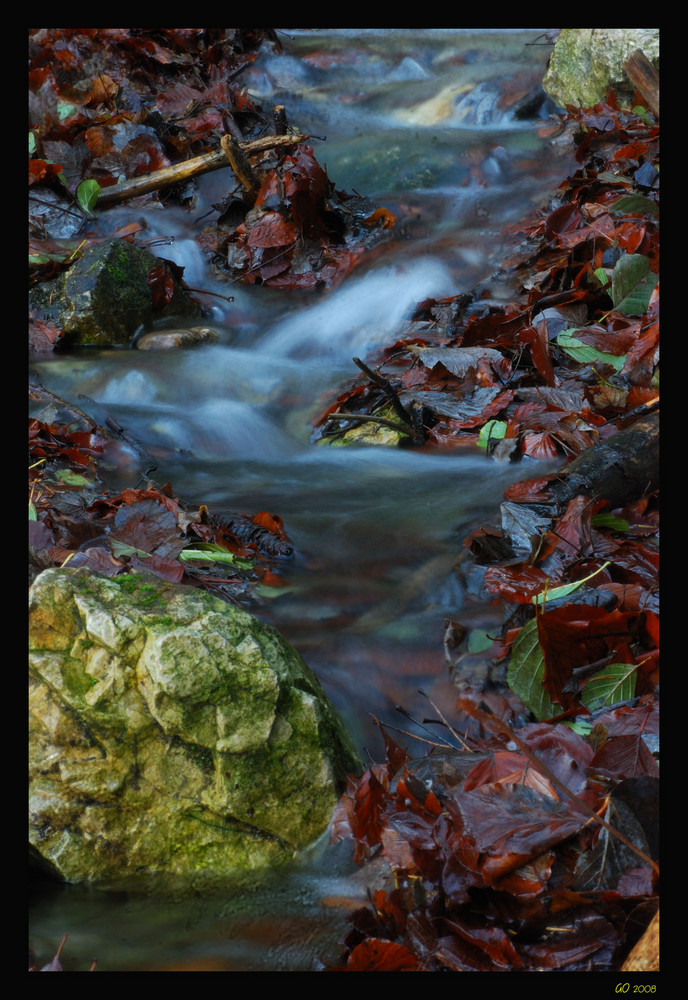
point(527, 837)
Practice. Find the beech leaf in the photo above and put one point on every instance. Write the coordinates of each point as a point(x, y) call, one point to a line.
point(613, 684)
point(526, 673)
point(632, 284)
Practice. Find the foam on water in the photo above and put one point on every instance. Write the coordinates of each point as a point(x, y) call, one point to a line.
point(363, 314)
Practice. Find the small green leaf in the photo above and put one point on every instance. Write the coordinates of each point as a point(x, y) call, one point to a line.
point(65, 110)
point(585, 354)
point(602, 276)
point(613, 684)
point(213, 553)
point(581, 726)
point(609, 521)
point(72, 478)
point(87, 194)
point(32, 143)
point(608, 177)
point(492, 429)
point(120, 549)
point(643, 114)
point(32, 512)
point(526, 673)
point(565, 589)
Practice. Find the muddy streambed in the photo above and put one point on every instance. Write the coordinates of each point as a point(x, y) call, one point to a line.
point(420, 122)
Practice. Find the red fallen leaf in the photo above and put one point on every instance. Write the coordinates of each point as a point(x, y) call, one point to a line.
point(538, 342)
point(564, 753)
point(145, 525)
point(43, 336)
point(632, 151)
point(576, 635)
point(492, 940)
point(638, 882)
point(508, 768)
point(271, 230)
point(98, 560)
point(376, 955)
point(572, 535)
point(167, 569)
point(630, 236)
point(562, 220)
point(109, 505)
point(625, 757)
point(40, 170)
point(515, 583)
point(161, 284)
point(646, 343)
point(416, 796)
point(358, 814)
point(539, 444)
point(586, 941)
point(511, 824)
point(529, 491)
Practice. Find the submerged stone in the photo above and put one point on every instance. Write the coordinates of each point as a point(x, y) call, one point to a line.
point(170, 732)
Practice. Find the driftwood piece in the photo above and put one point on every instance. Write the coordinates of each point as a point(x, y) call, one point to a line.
point(644, 78)
point(619, 469)
point(645, 955)
point(190, 168)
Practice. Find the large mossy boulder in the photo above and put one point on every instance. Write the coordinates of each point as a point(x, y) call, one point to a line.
point(108, 294)
point(587, 62)
point(170, 732)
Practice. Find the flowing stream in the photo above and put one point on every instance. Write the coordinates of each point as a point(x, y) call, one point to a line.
point(413, 120)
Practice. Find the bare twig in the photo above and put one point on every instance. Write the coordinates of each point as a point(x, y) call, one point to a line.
point(190, 168)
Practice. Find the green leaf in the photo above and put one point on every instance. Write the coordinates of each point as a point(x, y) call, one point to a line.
point(492, 429)
point(608, 177)
point(566, 588)
point(32, 512)
point(526, 673)
point(585, 354)
point(65, 110)
point(120, 549)
point(87, 194)
point(72, 478)
point(581, 726)
point(32, 143)
point(213, 553)
point(643, 114)
point(614, 683)
point(609, 521)
point(634, 204)
point(632, 284)
point(602, 276)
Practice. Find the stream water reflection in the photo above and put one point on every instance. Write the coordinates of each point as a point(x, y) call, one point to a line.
point(413, 120)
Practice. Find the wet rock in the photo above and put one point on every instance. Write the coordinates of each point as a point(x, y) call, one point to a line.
point(170, 732)
point(168, 340)
point(586, 62)
point(106, 295)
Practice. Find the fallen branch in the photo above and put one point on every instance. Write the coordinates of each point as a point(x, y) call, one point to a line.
point(644, 78)
point(190, 168)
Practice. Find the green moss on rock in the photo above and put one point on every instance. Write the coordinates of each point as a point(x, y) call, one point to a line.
point(171, 737)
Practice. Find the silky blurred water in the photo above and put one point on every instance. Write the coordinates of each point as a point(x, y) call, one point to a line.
point(412, 119)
